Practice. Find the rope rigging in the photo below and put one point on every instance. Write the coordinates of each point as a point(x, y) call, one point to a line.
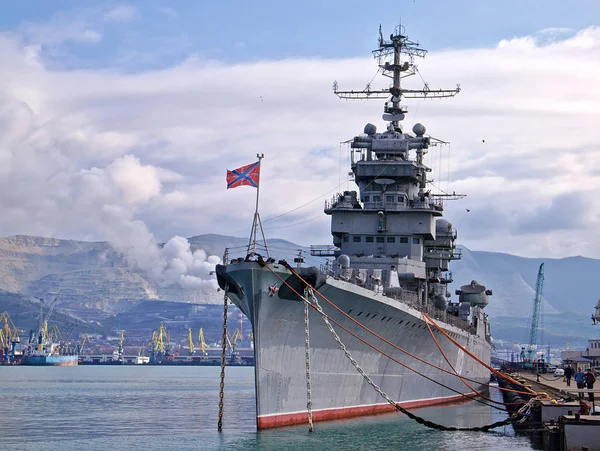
point(461, 378)
point(466, 395)
point(290, 268)
point(315, 305)
point(420, 420)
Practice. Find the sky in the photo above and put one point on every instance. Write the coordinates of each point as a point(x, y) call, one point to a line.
point(118, 120)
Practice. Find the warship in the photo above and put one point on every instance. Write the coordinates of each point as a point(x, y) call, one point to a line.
point(384, 284)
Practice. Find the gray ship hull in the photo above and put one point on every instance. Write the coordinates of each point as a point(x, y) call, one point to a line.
point(337, 389)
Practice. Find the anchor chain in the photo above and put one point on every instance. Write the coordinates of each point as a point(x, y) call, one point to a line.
point(223, 359)
point(308, 395)
point(314, 301)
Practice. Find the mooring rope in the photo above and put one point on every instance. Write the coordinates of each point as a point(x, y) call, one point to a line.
point(518, 416)
point(420, 420)
point(291, 269)
point(461, 378)
point(477, 359)
point(466, 395)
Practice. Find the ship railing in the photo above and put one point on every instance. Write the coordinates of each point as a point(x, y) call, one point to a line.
point(430, 204)
point(239, 253)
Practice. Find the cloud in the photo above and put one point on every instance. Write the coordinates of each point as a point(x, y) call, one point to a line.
point(105, 154)
point(74, 27)
point(121, 13)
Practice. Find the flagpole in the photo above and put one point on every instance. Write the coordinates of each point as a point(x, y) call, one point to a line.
point(256, 223)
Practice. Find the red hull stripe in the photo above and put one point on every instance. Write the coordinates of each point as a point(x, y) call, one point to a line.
point(287, 419)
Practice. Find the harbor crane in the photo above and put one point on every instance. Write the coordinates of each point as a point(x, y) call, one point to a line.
point(85, 339)
point(202, 343)
point(120, 346)
point(190, 341)
point(11, 333)
point(160, 345)
point(535, 318)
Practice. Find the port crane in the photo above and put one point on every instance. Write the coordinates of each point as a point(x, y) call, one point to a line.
point(160, 345)
point(535, 318)
point(11, 333)
point(190, 341)
point(80, 346)
point(43, 332)
point(232, 340)
point(9, 338)
point(202, 343)
point(119, 355)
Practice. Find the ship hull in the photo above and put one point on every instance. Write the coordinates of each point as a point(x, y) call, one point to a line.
point(337, 389)
point(42, 360)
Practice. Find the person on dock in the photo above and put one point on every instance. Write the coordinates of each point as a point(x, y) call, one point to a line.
point(589, 380)
point(569, 372)
point(580, 380)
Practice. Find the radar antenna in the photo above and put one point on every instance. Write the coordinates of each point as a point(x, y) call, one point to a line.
point(389, 58)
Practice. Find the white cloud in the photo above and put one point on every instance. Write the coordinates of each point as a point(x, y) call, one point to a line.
point(86, 154)
point(121, 13)
point(61, 30)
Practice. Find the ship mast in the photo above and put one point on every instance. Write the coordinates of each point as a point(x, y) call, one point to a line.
point(389, 58)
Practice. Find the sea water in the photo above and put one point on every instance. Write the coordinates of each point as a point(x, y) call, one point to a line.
point(162, 408)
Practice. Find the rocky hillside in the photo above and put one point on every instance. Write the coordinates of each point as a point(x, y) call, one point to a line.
point(567, 282)
point(80, 274)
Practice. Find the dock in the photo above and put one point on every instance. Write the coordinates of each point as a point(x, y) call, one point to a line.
point(560, 425)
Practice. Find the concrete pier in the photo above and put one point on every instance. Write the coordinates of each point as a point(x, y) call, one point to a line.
point(562, 427)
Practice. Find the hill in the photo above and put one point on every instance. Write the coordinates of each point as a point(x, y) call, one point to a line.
point(97, 285)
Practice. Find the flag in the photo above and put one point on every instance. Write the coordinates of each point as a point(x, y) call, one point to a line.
point(246, 175)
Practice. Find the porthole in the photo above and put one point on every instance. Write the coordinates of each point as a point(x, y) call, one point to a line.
point(359, 313)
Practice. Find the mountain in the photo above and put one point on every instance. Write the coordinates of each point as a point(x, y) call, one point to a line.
point(96, 285)
point(570, 329)
point(567, 286)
